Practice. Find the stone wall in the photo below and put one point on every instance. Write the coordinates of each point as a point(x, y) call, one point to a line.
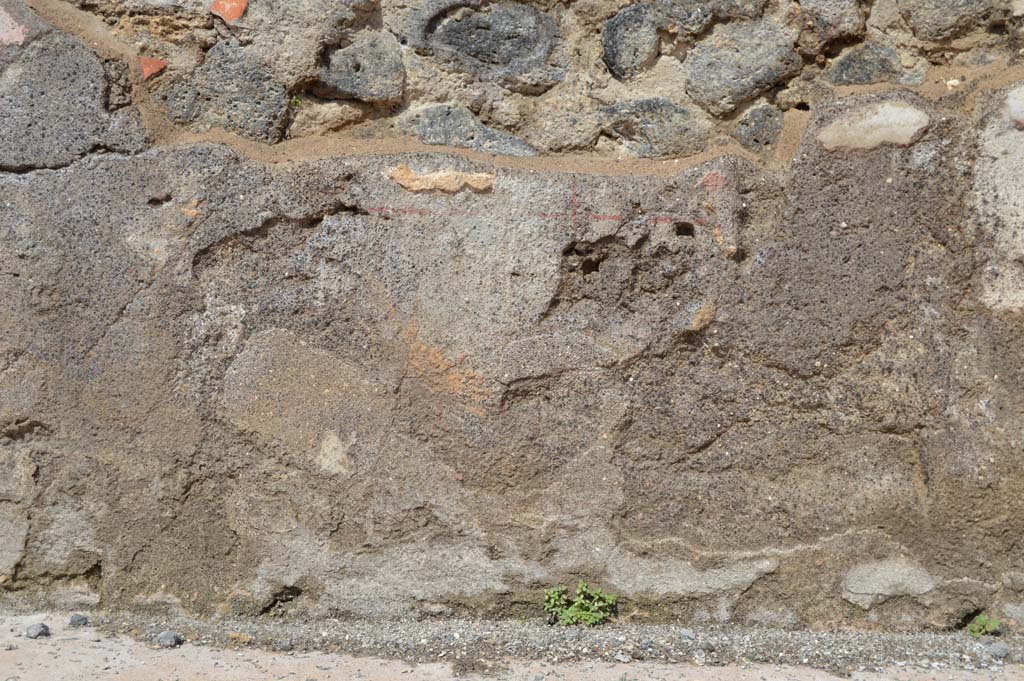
point(718, 304)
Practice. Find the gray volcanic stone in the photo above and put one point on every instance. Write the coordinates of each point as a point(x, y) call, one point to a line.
point(864, 64)
point(939, 20)
point(119, 87)
point(52, 96)
point(630, 40)
point(657, 128)
point(169, 639)
point(290, 36)
point(759, 127)
point(733, 9)
point(456, 126)
point(500, 34)
point(38, 631)
point(507, 42)
point(692, 17)
point(233, 89)
point(78, 620)
point(739, 61)
point(370, 69)
point(829, 20)
point(998, 649)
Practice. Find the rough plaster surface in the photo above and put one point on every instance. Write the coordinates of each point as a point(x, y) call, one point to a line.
point(778, 380)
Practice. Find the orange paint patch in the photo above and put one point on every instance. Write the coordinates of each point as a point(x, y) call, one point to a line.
point(444, 375)
point(193, 210)
point(229, 10)
point(719, 237)
point(703, 317)
point(151, 66)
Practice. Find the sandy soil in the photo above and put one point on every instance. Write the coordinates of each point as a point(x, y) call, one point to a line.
point(88, 654)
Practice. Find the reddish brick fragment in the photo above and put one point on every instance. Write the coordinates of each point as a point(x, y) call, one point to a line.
point(151, 66)
point(229, 10)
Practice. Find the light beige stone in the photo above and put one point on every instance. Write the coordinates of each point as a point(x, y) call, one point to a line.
point(448, 181)
point(682, 578)
point(871, 583)
point(1015, 107)
point(874, 125)
point(13, 531)
point(313, 117)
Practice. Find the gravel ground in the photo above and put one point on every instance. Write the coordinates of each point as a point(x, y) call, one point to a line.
point(499, 649)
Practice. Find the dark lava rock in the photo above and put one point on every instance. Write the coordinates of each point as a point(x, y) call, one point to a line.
point(738, 62)
point(655, 128)
point(998, 649)
point(939, 20)
point(506, 42)
point(631, 41)
point(759, 127)
point(169, 639)
point(828, 20)
point(370, 69)
point(78, 620)
point(119, 86)
point(53, 103)
point(864, 64)
point(38, 631)
point(233, 89)
point(692, 17)
point(455, 126)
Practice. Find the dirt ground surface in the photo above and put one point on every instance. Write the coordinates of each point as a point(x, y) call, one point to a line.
point(93, 652)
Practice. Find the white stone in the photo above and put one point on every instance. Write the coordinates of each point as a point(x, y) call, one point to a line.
point(868, 584)
point(1015, 107)
point(1014, 611)
point(13, 531)
point(999, 197)
point(680, 578)
point(874, 125)
point(333, 456)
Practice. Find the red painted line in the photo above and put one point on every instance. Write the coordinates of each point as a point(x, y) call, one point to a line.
point(572, 217)
point(575, 205)
point(713, 181)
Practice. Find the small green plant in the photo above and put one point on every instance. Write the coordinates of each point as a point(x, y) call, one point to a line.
point(590, 606)
point(982, 625)
point(295, 102)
